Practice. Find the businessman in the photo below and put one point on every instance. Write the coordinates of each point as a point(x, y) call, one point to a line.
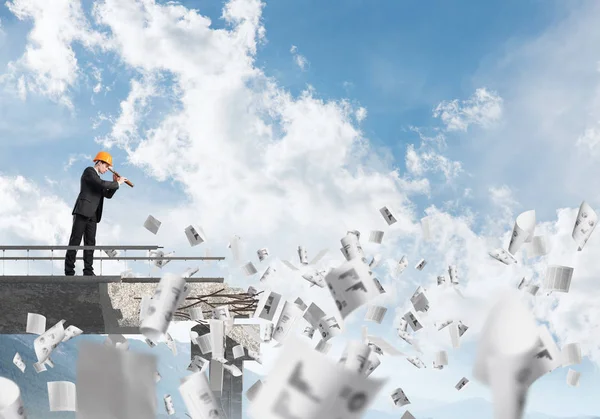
point(87, 212)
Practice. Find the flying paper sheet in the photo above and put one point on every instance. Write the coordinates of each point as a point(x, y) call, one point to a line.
point(168, 294)
point(402, 265)
point(355, 356)
point(169, 405)
point(236, 248)
point(522, 231)
point(328, 328)
point(115, 384)
point(376, 236)
point(454, 335)
point(289, 315)
point(416, 361)
point(195, 236)
point(323, 346)
point(238, 351)
point(267, 305)
point(217, 336)
point(199, 399)
point(249, 269)
point(453, 273)
point(152, 224)
point(18, 361)
point(269, 272)
point(62, 396)
point(304, 384)
point(266, 331)
point(573, 378)
point(502, 256)
point(262, 254)
point(318, 257)
point(558, 278)
point(407, 415)
point(441, 358)
point(375, 314)
point(303, 255)
point(571, 354)
point(461, 383)
point(419, 300)
point(48, 341)
point(413, 322)
point(300, 304)
point(385, 346)
point(254, 390)
point(584, 225)
point(313, 314)
point(36, 324)
point(351, 285)
point(441, 280)
point(198, 364)
point(11, 405)
point(351, 248)
point(387, 216)
point(421, 264)
point(375, 261)
point(71, 332)
point(399, 398)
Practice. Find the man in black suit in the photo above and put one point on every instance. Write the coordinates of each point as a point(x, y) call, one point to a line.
point(88, 211)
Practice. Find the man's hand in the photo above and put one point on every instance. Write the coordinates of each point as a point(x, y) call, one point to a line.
point(121, 180)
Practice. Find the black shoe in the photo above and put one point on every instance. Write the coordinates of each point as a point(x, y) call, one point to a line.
point(69, 273)
point(89, 274)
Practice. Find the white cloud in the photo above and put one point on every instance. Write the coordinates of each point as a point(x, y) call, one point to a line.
point(590, 140)
point(484, 108)
point(49, 61)
point(300, 60)
point(427, 159)
point(360, 114)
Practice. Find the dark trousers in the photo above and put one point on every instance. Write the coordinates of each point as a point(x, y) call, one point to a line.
point(82, 227)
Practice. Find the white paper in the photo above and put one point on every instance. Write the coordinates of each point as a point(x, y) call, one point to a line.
point(453, 273)
point(267, 305)
point(573, 377)
point(419, 300)
point(205, 343)
point(289, 315)
point(199, 399)
point(221, 313)
point(171, 343)
point(401, 266)
point(407, 415)
point(303, 255)
point(376, 236)
point(316, 277)
point(413, 321)
point(198, 364)
point(217, 336)
point(421, 264)
point(249, 269)
point(387, 348)
point(262, 254)
point(444, 324)
point(266, 331)
point(375, 314)
point(36, 324)
point(11, 404)
point(313, 314)
point(18, 361)
point(71, 332)
point(115, 384)
point(461, 383)
point(238, 351)
point(416, 361)
point(441, 358)
point(584, 225)
point(571, 354)
point(351, 248)
point(355, 356)
point(62, 396)
point(162, 306)
point(189, 272)
point(323, 346)
point(111, 253)
point(388, 216)
point(558, 278)
point(169, 407)
point(194, 235)
point(502, 256)
point(399, 398)
point(372, 363)
point(268, 273)
point(522, 231)
point(152, 224)
point(196, 313)
point(305, 384)
point(48, 341)
point(301, 305)
point(351, 285)
point(329, 327)
point(375, 261)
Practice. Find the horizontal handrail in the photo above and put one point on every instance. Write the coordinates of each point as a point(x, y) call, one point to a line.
point(117, 258)
point(101, 279)
point(133, 247)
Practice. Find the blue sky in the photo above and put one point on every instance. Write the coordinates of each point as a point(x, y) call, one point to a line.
point(290, 163)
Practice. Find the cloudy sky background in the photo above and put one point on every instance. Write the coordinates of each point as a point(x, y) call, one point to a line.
point(289, 124)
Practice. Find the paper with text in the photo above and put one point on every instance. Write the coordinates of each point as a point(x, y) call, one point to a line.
point(584, 225)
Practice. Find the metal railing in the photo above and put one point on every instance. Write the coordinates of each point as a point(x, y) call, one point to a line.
point(102, 258)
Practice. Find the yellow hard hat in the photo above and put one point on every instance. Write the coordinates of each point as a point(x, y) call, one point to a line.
point(105, 157)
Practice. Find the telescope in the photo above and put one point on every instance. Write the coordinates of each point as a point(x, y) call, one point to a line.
point(118, 175)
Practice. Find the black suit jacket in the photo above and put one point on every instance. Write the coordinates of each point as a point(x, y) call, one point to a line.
point(91, 196)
